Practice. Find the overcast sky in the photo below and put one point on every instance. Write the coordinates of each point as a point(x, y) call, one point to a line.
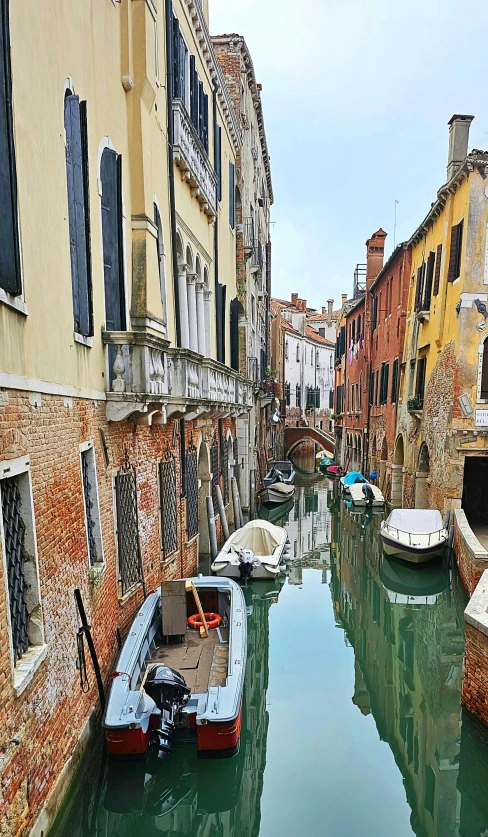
point(356, 97)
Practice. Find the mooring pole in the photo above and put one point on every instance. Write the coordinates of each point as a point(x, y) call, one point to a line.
point(238, 521)
point(252, 494)
point(222, 514)
point(91, 646)
point(212, 531)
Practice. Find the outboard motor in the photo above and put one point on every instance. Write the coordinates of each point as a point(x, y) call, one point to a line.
point(246, 564)
point(170, 693)
point(369, 494)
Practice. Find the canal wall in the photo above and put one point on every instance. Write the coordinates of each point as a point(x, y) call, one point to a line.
point(475, 692)
point(471, 556)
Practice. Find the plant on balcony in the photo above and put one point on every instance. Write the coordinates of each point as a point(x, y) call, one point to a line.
point(415, 403)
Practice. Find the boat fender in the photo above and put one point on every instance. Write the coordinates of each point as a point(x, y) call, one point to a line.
point(213, 620)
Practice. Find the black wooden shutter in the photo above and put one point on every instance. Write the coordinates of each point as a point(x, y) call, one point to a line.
point(193, 92)
point(218, 160)
point(223, 294)
point(86, 195)
point(232, 213)
point(385, 385)
point(428, 281)
point(437, 277)
point(418, 292)
point(75, 173)
point(182, 67)
point(201, 114)
point(10, 279)
point(176, 63)
point(205, 122)
point(110, 173)
point(234, 334)
point(453, 253)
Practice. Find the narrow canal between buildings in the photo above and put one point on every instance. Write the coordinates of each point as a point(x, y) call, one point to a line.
point(352, 720)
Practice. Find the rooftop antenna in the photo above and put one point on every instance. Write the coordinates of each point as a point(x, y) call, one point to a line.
point(395, 223)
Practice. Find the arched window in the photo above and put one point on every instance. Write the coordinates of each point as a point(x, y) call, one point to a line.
point(161, 260)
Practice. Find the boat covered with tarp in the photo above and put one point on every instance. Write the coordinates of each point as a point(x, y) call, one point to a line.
point(352, 478)
point(257, 550)
point(415, 535)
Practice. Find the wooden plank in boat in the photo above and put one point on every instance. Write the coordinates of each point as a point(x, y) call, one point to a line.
point(218, 671)
point(192, 657)
point(173, 601)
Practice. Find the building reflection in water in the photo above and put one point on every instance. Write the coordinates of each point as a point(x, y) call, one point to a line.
point(407, 629)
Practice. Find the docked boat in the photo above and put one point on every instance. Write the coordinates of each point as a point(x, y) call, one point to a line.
point(256, 551)
point(366, 495)
point(170, 683)
point(416, 535)
point(281, 471)
point(278, 492)
point(408, 584)
point(277, 514)
point(351, 478)
point(334, 472)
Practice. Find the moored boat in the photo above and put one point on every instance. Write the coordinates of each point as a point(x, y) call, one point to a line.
point(276, 512)
point(164, 688)
point(257, 550)
point(281, 471)
point(278, 492)
point(415, 535)
point(409, 584)
point(334, 472)
point(351, 478)
point(366, 495)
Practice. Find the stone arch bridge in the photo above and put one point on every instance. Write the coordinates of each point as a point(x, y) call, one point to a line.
point(294, 436)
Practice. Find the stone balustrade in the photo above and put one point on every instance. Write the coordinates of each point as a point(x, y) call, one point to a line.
point(192, 160)
point(147, 378)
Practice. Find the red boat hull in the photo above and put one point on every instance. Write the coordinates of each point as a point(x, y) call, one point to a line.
point(219, 740)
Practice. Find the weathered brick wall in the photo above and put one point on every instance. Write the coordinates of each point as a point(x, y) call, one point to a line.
point(49, 715)
point(471, 557)
point(475, 684)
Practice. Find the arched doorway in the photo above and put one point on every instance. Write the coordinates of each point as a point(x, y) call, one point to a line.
point(397, 474)
point(421, 477)
point(204, 491)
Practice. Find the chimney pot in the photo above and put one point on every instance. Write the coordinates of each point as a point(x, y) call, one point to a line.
point(324, 309)
point(294, 299)
point(344, 298)
point(330, 303)
point(459, 125)
point(304, 304)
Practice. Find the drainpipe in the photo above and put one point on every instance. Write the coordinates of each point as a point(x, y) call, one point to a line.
point(171, 171)
point(216, 232)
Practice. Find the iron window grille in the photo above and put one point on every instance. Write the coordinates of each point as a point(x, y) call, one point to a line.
point(129, 547)
point(214, 460)
point(15, 554)
point(168, 501)
point(192, 492)
point(225, 473)
point(90, 498)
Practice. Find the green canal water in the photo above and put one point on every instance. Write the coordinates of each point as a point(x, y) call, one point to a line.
point(352, 721)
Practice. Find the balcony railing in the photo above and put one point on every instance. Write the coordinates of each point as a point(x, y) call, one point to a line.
point(192, 159)
point(147, 377)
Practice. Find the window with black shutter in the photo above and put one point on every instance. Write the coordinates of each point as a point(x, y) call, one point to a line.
point(232, 192)
point(455, 252)
point(201, 117)
point(10, 277)
point(204, 137)
point(78, 212)
point(437, 275)
point(419, 288)
point(342, 342)
point(394, 381)
point(429, 275)
point(193, 92)
point(420, 382)
point(218, 160)
point(298, 395)
point(287, 395)
point(111, 182)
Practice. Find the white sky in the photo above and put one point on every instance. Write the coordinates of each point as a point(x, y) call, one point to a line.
point(356, 97)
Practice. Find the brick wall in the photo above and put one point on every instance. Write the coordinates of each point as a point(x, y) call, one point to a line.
point(471, 557)
point(475, 686)
point(49, 715)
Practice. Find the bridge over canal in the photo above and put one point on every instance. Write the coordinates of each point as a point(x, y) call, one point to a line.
point(294, 436)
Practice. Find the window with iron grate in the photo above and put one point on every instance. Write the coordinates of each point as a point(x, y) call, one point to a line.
point(214, 462)
point(191, 492)
point(91, 503)
point(20, 557)
point(168, 504)
point(130, 571)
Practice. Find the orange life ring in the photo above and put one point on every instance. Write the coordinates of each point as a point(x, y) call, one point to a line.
point(213, 620)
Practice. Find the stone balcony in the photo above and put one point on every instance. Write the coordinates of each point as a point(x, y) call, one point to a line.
point(151, 382)
point(192, 160)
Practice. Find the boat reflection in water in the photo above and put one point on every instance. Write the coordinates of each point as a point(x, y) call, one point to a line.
point(182, 794)
point(407, 630)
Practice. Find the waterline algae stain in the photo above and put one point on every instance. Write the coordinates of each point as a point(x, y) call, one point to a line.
point(352, 719)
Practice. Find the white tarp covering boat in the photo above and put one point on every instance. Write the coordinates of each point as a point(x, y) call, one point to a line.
point(414, 534)
point(279, 492)
point(265, 542)
point(361, 496)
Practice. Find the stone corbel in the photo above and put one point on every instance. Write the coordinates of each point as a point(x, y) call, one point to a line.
point(120, 410)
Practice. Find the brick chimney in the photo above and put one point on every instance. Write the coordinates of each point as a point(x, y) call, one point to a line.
point(304, 304)
point(458, 142)
point(294, 299)
point(324, 310)
point(375, 251)
point(344, 298)
point(330, 305)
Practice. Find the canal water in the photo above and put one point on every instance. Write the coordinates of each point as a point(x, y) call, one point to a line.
point(352, 721)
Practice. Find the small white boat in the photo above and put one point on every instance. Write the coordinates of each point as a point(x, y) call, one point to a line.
point(351, 478)
point(279, 492)
point(416, 535)
point(366, 495)
point(257, 550)
point(281, 471)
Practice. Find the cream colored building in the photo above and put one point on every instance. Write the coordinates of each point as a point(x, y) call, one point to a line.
point(118, 403)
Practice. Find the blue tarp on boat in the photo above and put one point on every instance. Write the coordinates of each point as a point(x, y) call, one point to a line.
point(353, 477)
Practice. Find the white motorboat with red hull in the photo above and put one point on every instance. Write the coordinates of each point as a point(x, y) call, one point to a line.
point(181, 687)
point(415, 535)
